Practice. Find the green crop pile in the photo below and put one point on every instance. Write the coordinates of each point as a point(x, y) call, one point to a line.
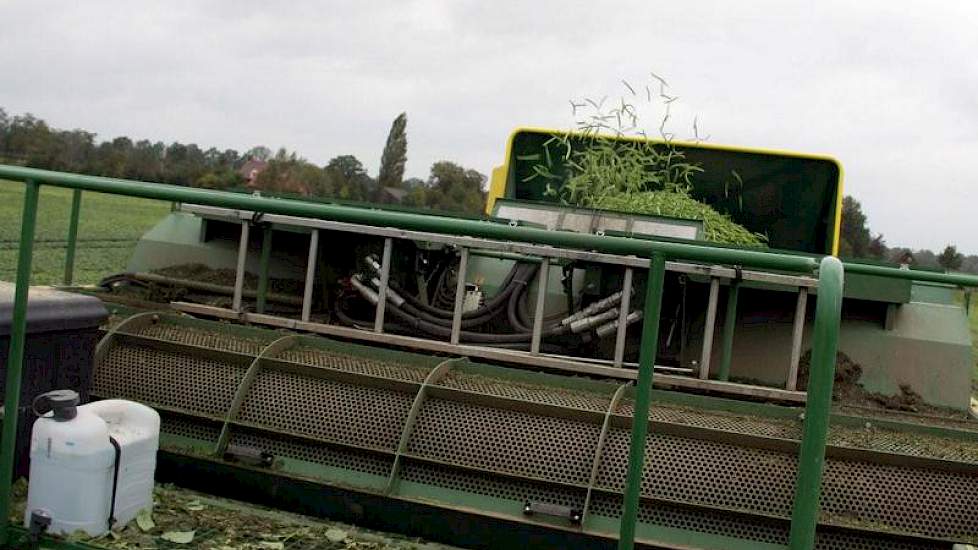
point(609, 163)
point(108, 230)
point(678, 204)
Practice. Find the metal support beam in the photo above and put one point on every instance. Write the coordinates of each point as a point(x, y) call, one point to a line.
point(463, 266)
point(706, 356)
point(266, 258)
point(72, 237)
point(310, 275)
point(625, 307)
point(828, 311)
point(385, 278)
point(798, 331)
point(239, 273)
point(15, 359)
point(643, 398)
point(542, 278)
point(729, 326)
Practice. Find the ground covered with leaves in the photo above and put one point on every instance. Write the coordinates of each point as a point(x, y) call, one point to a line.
point(183, 519)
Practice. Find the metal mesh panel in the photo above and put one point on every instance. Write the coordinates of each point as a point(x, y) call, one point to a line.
point(505, 441)
point(351, 363)
point(913, 444)
point(167, 379)
point(525, 391)
point(937, 504)
point(704, 472)
point(216, 338)
point(718, 420)
point(334, 411)
point(507, 438)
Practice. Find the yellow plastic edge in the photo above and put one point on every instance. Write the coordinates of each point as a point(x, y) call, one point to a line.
point(497, 182)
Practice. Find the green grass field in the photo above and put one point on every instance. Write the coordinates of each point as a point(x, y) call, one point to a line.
point(107, 232)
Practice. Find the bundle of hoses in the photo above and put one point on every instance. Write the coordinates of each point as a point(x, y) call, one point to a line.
point(417, 316)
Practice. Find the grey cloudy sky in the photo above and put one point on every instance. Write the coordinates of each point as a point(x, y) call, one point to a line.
point(889, 88)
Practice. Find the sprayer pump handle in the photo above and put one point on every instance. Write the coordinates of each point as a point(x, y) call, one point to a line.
point(64, 404)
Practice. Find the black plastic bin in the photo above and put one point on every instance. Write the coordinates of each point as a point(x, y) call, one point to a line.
point(62, 331)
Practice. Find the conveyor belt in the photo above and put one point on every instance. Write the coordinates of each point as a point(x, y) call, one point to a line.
point(464, 434)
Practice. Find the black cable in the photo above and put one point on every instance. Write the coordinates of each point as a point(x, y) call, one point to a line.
point(115, 478)
point(493, 303)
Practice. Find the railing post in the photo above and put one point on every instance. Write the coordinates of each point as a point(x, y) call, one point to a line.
point(463, 265)
point(542, 280)
point(828, 310)
point(797, 335)
point(261, 294)
point(72, 237)
point(643, 395)
point(239, 274)
point(310, 283)
point(15, 361)
point(709, 328)
point(729, 327)
point(382, 290)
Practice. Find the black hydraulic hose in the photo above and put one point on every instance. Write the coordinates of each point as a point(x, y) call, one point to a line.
point(477, 337)
point(401, 329)
point(512, 313)
point(466, 323)
point(493, 303)
point(345, 318)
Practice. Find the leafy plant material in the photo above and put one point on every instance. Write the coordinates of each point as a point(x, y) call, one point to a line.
point(144, 520)
point(717, 227)
point(178, 537)
point(611, 164)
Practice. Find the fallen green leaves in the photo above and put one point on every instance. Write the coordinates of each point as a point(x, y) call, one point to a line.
point(183, 519)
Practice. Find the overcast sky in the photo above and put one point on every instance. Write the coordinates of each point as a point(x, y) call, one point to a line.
point(889, 88)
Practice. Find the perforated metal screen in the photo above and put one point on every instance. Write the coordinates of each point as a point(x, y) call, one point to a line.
point(474, 437)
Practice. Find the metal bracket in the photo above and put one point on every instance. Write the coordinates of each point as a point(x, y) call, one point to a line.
point(572, 515)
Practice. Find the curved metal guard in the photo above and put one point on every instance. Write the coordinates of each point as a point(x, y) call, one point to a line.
point(599, 449)
point(244, 387)
point(137, 321)
point(436, 374)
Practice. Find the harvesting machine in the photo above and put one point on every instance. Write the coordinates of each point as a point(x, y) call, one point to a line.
point(489, 381)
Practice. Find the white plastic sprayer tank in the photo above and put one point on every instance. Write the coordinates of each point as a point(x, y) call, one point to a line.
point(73, 462)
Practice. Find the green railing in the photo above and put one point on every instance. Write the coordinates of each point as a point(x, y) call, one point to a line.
point(830, 271)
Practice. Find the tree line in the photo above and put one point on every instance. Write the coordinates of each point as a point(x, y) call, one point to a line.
point(29, 141)
point(857, 241)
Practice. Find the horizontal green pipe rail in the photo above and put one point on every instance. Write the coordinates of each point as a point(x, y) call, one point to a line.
point(956, 279)
point(411, 221)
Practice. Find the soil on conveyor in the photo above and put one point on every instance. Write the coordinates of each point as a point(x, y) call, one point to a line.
point(847, 392)
point(225, 277)
point(160, 293)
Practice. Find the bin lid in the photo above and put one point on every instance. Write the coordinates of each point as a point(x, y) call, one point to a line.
point(50, 310)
